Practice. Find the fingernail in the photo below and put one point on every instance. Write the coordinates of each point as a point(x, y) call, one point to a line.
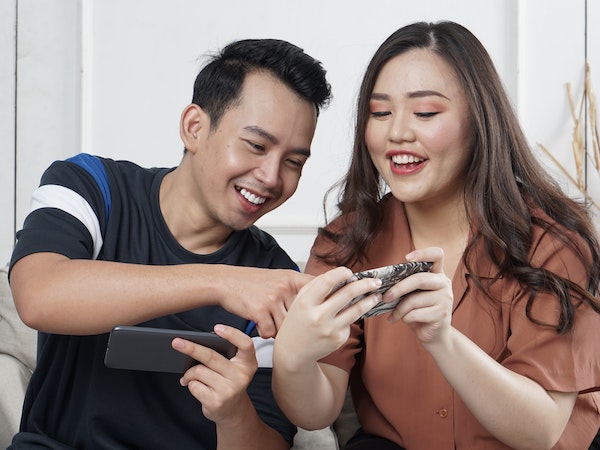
point(178, 343)
point(375, 298)
point(219, 328)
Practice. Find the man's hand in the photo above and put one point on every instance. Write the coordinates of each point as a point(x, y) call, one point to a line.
point(263, 295)
point(219, 383)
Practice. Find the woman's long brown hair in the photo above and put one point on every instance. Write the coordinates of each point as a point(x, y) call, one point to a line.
point(504, 180)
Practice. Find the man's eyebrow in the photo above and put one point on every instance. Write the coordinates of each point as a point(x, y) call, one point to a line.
point(262, 133)
point(273, 140)
point(302, 151)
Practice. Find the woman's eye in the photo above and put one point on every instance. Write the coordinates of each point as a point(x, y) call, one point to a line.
point(425, 114)
point(380, 113)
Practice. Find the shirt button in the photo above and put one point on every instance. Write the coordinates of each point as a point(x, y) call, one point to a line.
point(443, 413)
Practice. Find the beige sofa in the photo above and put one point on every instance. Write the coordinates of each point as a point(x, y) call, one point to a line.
point(17, 360)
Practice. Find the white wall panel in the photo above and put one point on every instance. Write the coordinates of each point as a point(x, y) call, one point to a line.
point(552, 50)
point(140, 59)
point(141, 62)
point(8, 11)
point(551, 54)
point(48, 73)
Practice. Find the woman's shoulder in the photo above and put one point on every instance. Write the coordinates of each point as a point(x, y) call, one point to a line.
point(550, 238)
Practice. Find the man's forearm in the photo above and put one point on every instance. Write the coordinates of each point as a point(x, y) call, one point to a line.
point(246, 430)
point(58, 295)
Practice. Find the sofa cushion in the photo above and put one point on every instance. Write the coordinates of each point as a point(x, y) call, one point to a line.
point(17, 360)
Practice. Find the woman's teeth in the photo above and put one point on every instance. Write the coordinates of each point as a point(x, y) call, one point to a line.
point(254, 199)
point(406, 159)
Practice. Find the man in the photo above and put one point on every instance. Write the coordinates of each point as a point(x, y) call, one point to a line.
point(109, 243)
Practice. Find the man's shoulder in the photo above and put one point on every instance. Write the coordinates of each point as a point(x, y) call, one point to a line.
point(266, 249)
point(261, 236)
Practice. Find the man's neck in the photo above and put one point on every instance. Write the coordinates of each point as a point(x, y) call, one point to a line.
point(186, 220)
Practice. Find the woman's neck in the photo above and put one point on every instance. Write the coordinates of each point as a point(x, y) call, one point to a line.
point(440, 225)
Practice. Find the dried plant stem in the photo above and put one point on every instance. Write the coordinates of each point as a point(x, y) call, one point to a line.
point(593, 118)
point(578, 143)
point(559, 165)
point(569, 176)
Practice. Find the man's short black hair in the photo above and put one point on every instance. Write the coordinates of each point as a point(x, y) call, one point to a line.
point(219, 83)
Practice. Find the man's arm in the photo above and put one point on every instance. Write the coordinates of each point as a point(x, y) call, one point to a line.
point(56, 294)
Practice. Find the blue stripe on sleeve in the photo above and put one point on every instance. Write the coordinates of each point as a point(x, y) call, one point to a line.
point(95, 168)
point(249, 327)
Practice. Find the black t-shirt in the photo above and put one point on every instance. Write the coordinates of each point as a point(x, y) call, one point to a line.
point(89, 207)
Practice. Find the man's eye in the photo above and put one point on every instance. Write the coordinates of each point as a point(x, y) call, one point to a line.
point(296, 163)
point(255, 146)
point(425, 114)
point(380, 113)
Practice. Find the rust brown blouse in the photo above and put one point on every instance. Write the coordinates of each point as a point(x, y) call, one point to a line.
point(399, 392)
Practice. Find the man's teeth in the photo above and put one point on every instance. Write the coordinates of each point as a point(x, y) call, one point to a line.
point(255, 199)
point(405, 159)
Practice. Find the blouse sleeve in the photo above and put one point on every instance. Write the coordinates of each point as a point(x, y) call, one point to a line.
point(567, 362)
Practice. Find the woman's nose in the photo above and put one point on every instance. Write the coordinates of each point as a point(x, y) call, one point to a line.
point(401, 129)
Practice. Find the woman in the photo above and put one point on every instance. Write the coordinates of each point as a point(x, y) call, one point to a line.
point(496, 347)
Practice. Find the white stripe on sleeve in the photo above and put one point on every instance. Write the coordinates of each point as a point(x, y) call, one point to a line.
point(264, 351)
point(69, 201)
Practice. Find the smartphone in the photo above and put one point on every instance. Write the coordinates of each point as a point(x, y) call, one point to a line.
point(149, 349)
point(389, 276)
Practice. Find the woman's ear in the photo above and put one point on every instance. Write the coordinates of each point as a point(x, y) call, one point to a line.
point(194, 121)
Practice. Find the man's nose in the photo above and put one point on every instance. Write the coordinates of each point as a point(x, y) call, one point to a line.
point(268, 171)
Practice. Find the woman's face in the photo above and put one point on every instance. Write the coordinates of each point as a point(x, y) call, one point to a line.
point(418, 132)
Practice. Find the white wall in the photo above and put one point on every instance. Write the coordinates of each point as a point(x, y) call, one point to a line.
point(42, 107)
point(552, 54)
point(138, 60)
point(7, 124)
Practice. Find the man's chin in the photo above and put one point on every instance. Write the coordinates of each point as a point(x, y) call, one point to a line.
point(243, 222)
point(239, 225)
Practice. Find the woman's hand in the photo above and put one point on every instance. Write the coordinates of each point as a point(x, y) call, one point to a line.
point(318, 322)
point(427, 306)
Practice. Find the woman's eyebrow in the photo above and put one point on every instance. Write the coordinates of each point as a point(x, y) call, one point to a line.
point(414, 94)
point(426, 93)
point(378, 96)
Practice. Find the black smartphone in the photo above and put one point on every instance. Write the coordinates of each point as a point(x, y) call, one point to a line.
point(389, 276)
point(145, 348)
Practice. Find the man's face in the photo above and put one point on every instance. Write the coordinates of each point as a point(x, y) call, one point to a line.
point(252, 162)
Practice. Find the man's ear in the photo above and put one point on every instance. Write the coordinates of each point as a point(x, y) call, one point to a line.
point(194, 121)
